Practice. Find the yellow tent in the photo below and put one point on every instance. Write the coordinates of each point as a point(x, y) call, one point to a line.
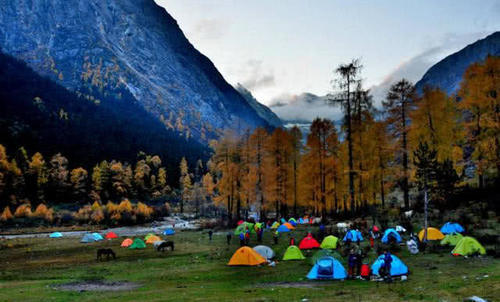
point(152, 239)
point(246, 256)
point(275, 225)
point(127, 242)
point(289, 225)
point(432, 234)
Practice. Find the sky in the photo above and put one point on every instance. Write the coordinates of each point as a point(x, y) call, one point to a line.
point(281, 48)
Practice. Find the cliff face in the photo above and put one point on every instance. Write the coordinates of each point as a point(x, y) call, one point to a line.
point(448, 73)
point(105, 46)
point(264, 112)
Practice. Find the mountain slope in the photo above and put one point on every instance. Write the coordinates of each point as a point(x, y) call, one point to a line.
point(264, 112)
point(135, 45)
point(447, 73)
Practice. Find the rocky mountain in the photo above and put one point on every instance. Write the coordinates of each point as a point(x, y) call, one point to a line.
point(264, 112)
point(447, 73)
point(99, 47)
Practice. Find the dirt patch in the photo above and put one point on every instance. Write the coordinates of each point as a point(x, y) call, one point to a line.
point(293, 284)
point(97, 286)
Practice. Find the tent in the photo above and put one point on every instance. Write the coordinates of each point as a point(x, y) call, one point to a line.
point(275, 225)
point(306, 220)
point(250, 226)
point(111, 235)
point(246, 256)
point(353, 235)
point(398, 268)
point(148, 235)
point(289, 225)
point(327, 268)
point(56, 235)
point(451, 239)
point(137, 244)
point(329, 242)
point(432, 234)
point(258, 225)
point(87, 238)
point(264, 251)
point(308, 243)
point(451, 227)
point(283, 229)
point(468, 246)
point(301, 221)
point(169, 232)
point(324, 253)
point(153, 239)
point(293, 223)
point(97, 236)
point(391, 234)
point(293, 253)
point(127, 242)
point(240, 222)
point(283, 220)
point(292, 220)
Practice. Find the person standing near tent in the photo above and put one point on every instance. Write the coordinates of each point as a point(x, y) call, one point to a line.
point(374, 234)
point(259, 234)
point(210, 233)
point(247, 237)
point(351, 263)
point(387, 265)
point(292, 240)
point(229, 237)
point(242, 239)
point(275, 237)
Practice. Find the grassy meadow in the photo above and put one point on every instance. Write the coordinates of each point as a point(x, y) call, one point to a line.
point(197, 271)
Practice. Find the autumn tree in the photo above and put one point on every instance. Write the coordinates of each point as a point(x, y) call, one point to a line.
point(185, 183)
point(78, 179)
point(256, 172)
point(295, 136)
point(398, 104)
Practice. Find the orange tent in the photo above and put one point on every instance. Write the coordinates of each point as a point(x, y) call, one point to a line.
point(289, 225)
point(432, 234)
point(246, 256)
point(127, 242)
point(111, 235)
point(152, 239)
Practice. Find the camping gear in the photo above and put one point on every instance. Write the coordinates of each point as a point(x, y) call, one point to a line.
point(240, 229)
point(153, 239)
point(283, 220)
point(292, 220)
point(432, 234)
point(264, 251)
point(275, 225)
point(293, 253)
point(289, 225)
point(97, 236)
point(87, 238)
point(169, 232)
point(365, 271)
point(293, 223)
point(468, 246)
point(398, 268)
point(127, 242)
point(327, 268)
point(301, 221)
point(56, 235)
point(412, 246)
point(330, 242)
point(451, 227)
point(451, 239)
point(246, 256)
point(137, 244)
point(111, 235)
point(283, 229)
point(308, 243)
point(353, 235)
point(391, 234)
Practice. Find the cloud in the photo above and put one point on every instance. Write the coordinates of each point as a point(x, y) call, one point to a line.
point(257, 77)
point(304, 108)
point(209, 29)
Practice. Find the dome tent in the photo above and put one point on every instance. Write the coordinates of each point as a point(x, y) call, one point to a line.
point(246, 256)
point(137, 244)
point(97, 236)
point(169, 232)
point(451, 239)
point(308, 243)
point(451, 227)
point(398, 268)
point(275, 225)
point(127, 242)
point(153, 239)
point(87, 238)
point(265, 251)
point(329, 242)
point(283, 229)
point(111, 235)
point(468, 246)
point(56, 235)
point(324, 253)
point(293, 253)
point(432, 234)
point(327, 268)
point(391, 234)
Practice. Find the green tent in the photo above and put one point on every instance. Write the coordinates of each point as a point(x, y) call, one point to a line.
point(259, 225)
point(293, 253)
point(452, 239)
point(275, 225)
point(149, 235)
point(324, 253)
point(292, 219)
point(240, 229)
point(137, 244)
point(330, 242)
point(250, 226)
point(468, 246)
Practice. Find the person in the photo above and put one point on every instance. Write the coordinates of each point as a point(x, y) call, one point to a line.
point(247, 237)
point(351, 263)
point(210, 233)
point(275, 237)
point(374, 234)
point(259, 234)
point(229, 237)
point(359, 261)
point(242, 239)
point(387, 266)
point(292, 240)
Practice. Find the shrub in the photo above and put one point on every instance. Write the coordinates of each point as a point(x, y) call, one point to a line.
point(23, 210)
point(6, 214)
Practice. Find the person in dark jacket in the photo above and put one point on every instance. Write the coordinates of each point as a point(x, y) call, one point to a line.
point(242, 239)
point(229, 236)
point(352, 262)
point(387, 266)
point(210, 233)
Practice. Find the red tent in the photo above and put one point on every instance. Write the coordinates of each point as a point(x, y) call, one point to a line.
point(111, 235)
point(308, 243)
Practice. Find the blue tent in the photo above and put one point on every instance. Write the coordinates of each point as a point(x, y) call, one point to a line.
point(97, 236)
point(301, 221)
point(353, 235)
point(293, 223)
point(56, 235)
point(87, 238)
point(327, 268)
point(398, 268)
point(283, 220)
point(391, 234)
point(169, 232)
point(452, 227)
point(283, 229)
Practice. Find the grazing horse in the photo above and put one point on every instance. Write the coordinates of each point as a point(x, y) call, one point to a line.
point(164, 245)
point(105, 252)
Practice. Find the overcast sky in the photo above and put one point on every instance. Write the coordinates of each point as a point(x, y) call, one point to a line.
point(279, 48)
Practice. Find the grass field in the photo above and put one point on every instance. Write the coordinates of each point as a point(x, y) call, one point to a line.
point(197, 271)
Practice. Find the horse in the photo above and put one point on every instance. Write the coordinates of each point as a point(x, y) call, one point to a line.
point(164, 245)
point(105, 252)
